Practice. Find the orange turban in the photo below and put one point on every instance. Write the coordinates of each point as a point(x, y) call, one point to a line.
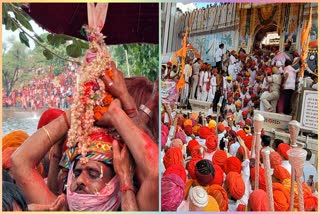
point(310, 202)
point(235, 185)
point(262, 177)
point(281, 173)
point(232, 164)
point(6, 155)
point(195, 129)
point(221, 127)
point(14, 139)
point(282, 149)
point(187, 122)
point(204, 132)
point(172, 156)
point(218, 175)
point(220, 194)
point(177, 169)
point(306, 190)
point(248, 141)
point(192, 166)
point(192, 144)
point(212, 205)
point(241, 133)
point(258, 200)
point(275, 159)
point(211, 143)
point(212, 124)
point(281, 197)
point(188, 130)
point(219, 157)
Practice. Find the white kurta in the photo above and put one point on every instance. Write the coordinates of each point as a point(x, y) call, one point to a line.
point(204, 93)
point(213, 88)
point(199, 92)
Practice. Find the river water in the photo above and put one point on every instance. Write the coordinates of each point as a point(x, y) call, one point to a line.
point(19, 119)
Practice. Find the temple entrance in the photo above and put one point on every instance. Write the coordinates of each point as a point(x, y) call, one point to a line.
point(266, 37)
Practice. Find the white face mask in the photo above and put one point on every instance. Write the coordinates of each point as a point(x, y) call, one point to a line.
point(108, 199)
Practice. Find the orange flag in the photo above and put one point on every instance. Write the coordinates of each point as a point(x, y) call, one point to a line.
point(182, 53)
point(305, 43)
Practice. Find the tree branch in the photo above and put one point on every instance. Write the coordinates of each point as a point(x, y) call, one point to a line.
point(35, 40)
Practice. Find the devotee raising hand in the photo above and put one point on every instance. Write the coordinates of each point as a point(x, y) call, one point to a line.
point(123, 167)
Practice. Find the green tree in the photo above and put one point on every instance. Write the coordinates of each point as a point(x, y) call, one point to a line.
point(143, 59)
point(14, 62)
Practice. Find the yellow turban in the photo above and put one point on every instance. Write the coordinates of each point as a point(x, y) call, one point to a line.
point(14, 139)
point(212, 204)
point(212, 124)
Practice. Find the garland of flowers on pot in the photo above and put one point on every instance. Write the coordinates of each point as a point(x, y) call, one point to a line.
point(91, 100)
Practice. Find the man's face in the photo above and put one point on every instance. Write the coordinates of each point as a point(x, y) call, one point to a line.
point(88, 178)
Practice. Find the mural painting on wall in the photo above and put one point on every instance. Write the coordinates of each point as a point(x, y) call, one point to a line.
point(292, 23)
point(208, 44)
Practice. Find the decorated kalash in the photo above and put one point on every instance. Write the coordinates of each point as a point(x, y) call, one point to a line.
point(255, 151)
point(97, 147)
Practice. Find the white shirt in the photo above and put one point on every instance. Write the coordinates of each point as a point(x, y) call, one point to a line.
point(308, 170)
point(219, 54)
point(290, 83)
point(234, 148)
point(287, 165)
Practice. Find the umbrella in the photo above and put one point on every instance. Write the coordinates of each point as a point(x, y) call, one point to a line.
point(125, 22)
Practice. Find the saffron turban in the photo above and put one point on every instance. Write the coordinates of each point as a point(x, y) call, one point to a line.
point(219, 158)
point(211, 143)
point(181, 135)
point(48, 116)
point(220, 194)
point(177, 169)
point(281, 173)
point(238, 104)
point(204, 132)
point(306, 190)
point(258, 200)
point(192, 144)
point(14, 139)
point(241, 133)
point(221, 127)
point(195, 129)
point(172, 190)
point(232, 164)
point(248, 141)
point(218, 177)
point(192, 166)
point(204, 172)
point(240, 152)
point(172, 156)
point(187, 122)
point(275, 159)
point(281, 197)
point(6, 155)
point(212, 124)
point(282, 149)
point(310, 202)
point(188, 130)
point(212, 205)
point(176, 143)
point(235, 185)
point(262, 177)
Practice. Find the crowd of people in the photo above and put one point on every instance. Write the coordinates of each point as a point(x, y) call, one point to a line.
point(264, 80)
point(119, 171)
point(208, 164)
point(43, 91)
